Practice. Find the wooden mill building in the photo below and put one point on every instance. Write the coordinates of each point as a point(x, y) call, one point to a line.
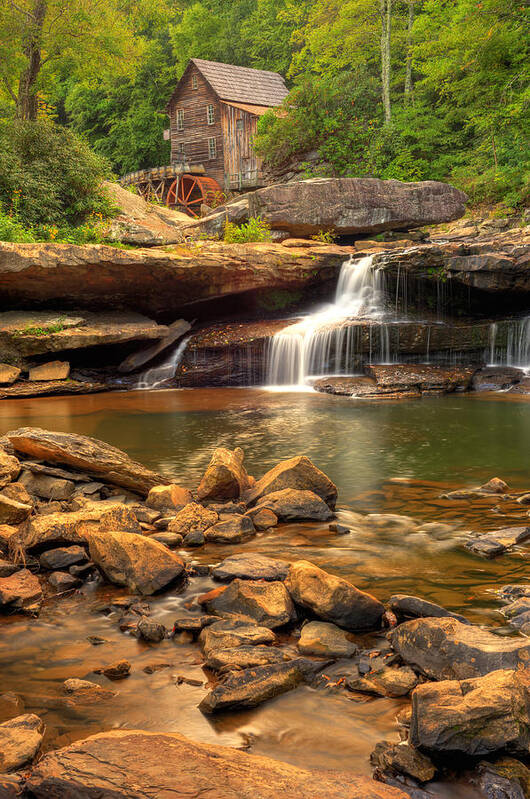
point(213, 114)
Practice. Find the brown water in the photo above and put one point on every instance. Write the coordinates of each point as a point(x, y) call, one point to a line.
point(430, 445)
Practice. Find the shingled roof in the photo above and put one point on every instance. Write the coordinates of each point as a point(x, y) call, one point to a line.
point(242, 84)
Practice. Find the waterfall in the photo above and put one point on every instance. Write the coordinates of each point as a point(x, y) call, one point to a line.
point(154, 377)
point(514, 346)
point(324, 339)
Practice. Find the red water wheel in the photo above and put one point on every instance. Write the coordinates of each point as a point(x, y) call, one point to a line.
point(189, 192)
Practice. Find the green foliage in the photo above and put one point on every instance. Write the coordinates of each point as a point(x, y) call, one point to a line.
point(12, 230)
point(41, 332)
point(325, 236)
point(253, 230)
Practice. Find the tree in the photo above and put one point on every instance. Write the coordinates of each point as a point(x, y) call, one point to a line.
point(386, 29)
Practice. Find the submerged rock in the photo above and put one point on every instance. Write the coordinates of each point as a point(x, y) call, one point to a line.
point(252, 566)
point(446, 649)
point(476, 716)
point(20, 740)
point(496, 542)
point(225, 478)
point(231, 531)
point(294, 505)
point(331, 598)
point(86, 692)
point(230, 634)
point(415, 607)
point(125, 764)
point(297, 473)
point(267, 603)
point(151, 630)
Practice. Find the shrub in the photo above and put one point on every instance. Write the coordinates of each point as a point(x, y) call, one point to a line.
point(12, 230)
point(256, 229)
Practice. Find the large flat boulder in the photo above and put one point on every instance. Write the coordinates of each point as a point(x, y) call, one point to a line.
point(54, 529)
point(298, 473)
point(266, 603)
point(331, 598)
point(135, 561)
point(476, 716)
point(446, 649)
point(89, 455)
point(142, 223)
point(349, 206)
point(126, 764)
point(250, 566)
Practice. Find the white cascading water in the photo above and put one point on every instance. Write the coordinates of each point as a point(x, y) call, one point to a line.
point(322, 340)
point(516, 351)
point(157, 375)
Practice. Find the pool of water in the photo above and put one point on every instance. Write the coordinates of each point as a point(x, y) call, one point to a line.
point(385, 457)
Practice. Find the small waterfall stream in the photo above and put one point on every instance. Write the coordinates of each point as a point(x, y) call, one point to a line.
point(157, 375)
point(516, 349)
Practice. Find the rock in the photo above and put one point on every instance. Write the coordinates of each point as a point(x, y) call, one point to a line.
point(495, 486)
point(231, 634)
point(244, 657)
point(402, 758)
point(115, 671)
point(135, 561)
point(476, 716)
point(331, 598)
point(386, 682)
point(193, 624)
point(8, 374)
point(291, 505)
point(168, 497)
point(20, 591)
point(517, 607)
point(514, 591)
point(151, 630)
point(225, 478)
point(141, 223)
point(296, 473)
point(193, 518)
point(339, 529)
point(168, 539)
point(53, 529)
point(266, 603)
point(505, 779)
point(7, 533)
point(13, 512)
point(54, 370)
point(125, 764)
point(415, 607)
point(18, 492)
point(194, 539)
point(496, 378)
point(446, 649)
point(250, 567)
point(9, 468)
point(498, 541)
point(63, 581)
point(231, 531)
point(213, 224)
point(84, 691)
point(46, 388)
point(138, 359)
point(121, 518)
point(20, 740)
point(11, 705)
point(7, 568)
point(323, 639)
point(83, 570)
point(62, 557)
point(46, 487)
point(262, 518)
point(399, 381)
point(349, 206)
point(87, 454)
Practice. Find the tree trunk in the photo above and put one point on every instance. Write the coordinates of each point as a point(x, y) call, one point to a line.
point(408, 68)
point(27, 106)
point(386, 22)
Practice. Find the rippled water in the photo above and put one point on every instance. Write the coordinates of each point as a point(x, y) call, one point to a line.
point(431, 445)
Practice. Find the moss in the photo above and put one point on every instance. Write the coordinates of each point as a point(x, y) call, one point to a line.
point(279, 299)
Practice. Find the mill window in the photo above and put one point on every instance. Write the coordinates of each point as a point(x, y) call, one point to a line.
point(212, 148)
point(210, 115)
point(180, 119)
point(194, 84)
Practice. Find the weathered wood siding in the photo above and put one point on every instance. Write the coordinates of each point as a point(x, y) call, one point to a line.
point(197, 131)
point(240, 161)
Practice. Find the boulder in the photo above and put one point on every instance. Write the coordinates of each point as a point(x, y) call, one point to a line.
point(263, 518)
point(62, 558)
point(170, 497)
point(414, 607)
point(54, 529)
point(225, 478)
point(350, 206)
point(291, 504)
point(323, 639)
point(7, 568)
point(142, 223)
point(53, 370)
point(86, 692)
point(496, 378)
point(9, 468)
point(476, 716)
point(250, 567)
point(20, 591)
point(87, 454)
point(120, 517)
point(126, 764)
point(505, 779)
point(402, 758)
point(331, 598)
point(18, 492)
point(231, 531)
point(266, 603)
point(170, 540)
point(151, 630)
point(13, 512)
point(134, 561)
point(495, 486)
point(233, 633)
point(193, 518)
point(8, 374)
point(446, 649)
point(489, 545)
point(244, 657)
point(297, 473)
point(20, 740)
point(47, 487)
point(385, 682)
point(62, 581)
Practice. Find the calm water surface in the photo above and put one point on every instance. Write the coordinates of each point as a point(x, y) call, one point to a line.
point(431, 445)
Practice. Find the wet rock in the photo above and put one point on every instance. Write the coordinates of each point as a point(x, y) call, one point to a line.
point(514, 591)
point(13, 512)
point(386, 682)
point(446, 649)
point(425, 378)
point(293, 505)
point(496, 542)
point(495, 486)
point(62, 558)
point(244, 657)
point(9, 468)
point(135, 561)
point(115, 671)
point(297, 473)
point(267, 603)
point(46, 487)
point(193, 518)
point(475, 716)
point(230, 634)
point(521, 622)
point(323, 639)
point(7, 568)
point(225, 478)
point(339, 529)
point(194, 539)
point(85, 691)
point(168, 539)
point(415, 607)
point(250, 567)
point(20, 591)
point(496, 378)
point(263, 518)
point(505, 779)
point(94, 457)
point(151, 630)
point(125, 764)
point(231, 531)
point(20, 740)
point(168, 497)
point(82, 570)
point(331, 598)
point(193, 624)
point(402, 758)
point(252, 687)
point(62, 581)
point(521, 605)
